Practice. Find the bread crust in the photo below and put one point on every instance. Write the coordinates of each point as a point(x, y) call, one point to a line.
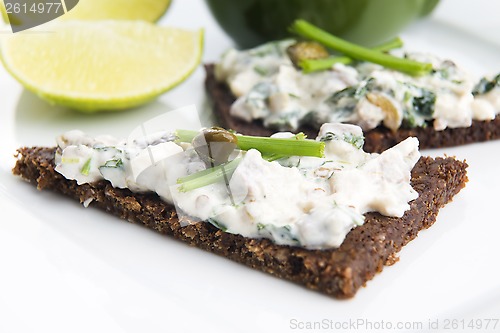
point(335, 272)
point(376, 140)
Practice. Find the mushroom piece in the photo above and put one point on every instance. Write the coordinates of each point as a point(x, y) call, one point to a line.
point(393, 116)
point(306, 50)
point(214, 145)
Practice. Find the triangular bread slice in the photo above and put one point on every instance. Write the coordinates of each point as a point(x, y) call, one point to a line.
point(376, 140)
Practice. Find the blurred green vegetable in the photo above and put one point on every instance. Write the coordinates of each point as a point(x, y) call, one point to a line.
point(367, 22)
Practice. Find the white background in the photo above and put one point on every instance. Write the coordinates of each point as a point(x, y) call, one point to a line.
point(64, 268)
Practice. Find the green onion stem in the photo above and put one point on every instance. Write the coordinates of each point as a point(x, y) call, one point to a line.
point(220, 173)
point(215, 174)
point(273, 157)
point(307, 30)
point(208, 176)
point(296, 146)
point(228, 166)
point(185, 135)
point(288, 147)
point(314, 65)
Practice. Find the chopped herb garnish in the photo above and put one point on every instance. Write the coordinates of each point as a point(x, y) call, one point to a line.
point(349, 92)
point(66, 160)
point(355, 92)
point(86, 167)
point(272, 48)
point(424, 105)
point(278, 233)
point(356, 141)
point(261, 70)
point(117, 163)
point(484, 86)
point(217, 224)
point(418, 107)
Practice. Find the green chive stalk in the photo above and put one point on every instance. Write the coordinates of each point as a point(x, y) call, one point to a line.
point(271, 149)
point(411, 67)
point(295, 146)
point(208, 176)
point(314, 65)
point(288, 147)
point(185, 135)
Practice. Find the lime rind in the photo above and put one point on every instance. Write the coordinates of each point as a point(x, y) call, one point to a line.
point(96, 11)
point(146, 10)
point(5, 17)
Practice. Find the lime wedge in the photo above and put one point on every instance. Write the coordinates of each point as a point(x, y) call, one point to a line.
point(147, 10)
point(101, 65)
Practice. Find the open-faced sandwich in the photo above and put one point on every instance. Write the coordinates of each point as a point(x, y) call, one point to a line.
point(296, 86)
point(321, 213)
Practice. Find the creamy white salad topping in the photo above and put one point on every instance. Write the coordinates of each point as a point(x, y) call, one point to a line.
point(300, 201)
point(269, 88)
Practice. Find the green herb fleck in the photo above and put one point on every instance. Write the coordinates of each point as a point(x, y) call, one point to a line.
point(86, 167)
point(355, 92)
point(217, 224)
point(485, 86)
point(356, 141)
point(424, 105)
point(272, 48)
point(282, 235)
point(261, 70)
point(117, 163)
point(66, 160)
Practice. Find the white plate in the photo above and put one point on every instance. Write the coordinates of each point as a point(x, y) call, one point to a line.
point(64, 268)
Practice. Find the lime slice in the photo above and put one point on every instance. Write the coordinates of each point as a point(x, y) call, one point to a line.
point(147, 10)
point(101, 65)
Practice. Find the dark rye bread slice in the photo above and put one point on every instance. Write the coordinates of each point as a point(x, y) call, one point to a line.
point(336, 272)
point(376, 140)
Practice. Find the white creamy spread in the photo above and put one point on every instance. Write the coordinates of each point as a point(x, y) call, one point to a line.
point(300, 201)
point(268, 87)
